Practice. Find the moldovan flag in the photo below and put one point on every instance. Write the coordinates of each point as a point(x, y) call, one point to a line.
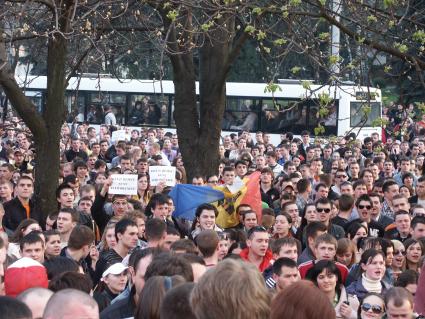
point(188, 197)
point(246, 191)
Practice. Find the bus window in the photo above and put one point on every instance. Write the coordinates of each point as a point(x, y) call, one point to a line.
point(99, 100)
point(74, 104)
point(241, 114)
point(138, 109)
point(95, 114)
point(283, 116)
point(358, 116)
point(148, 109)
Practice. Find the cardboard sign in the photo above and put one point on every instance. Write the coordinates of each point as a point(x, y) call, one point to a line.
point(120, 135)
point(123, 184)
point(165, 174)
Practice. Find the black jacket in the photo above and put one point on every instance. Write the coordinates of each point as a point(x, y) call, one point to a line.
point(71, 154)
point(121, 309)
point(14, 214)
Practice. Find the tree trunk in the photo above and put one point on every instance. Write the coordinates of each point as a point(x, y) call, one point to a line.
point(199, 134)
point(48, 156)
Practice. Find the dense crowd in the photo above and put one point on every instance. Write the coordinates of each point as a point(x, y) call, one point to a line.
point(341, 232)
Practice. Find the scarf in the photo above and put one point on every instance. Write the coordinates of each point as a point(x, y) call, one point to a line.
point(371, 285)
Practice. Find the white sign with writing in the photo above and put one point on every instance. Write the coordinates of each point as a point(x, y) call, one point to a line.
point(120, 135)
point(123, 184)
point(158, 174)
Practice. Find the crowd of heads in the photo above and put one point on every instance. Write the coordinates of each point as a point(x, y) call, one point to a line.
point(340, 232)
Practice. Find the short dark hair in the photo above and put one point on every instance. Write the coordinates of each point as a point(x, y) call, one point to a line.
point(401, 212)
point(185, 245)
point(302, 185)
point(23, 178)
point(417, 220)
point(345, 202)
point(78, 164)
point(166, 264)
point(207, 242)
point(75, 216)
point(29, 239)
point(155, 229)
point(277, 244)
point(80, 236)
point(323, 201)
point(364, 198)
point(256, 229)
point(125, 157)
point(71, 279)
point(121, 226)
point(13, 308)
point(313, 228)
point(283, 262)
point(176, 303)
point(387, 184)
point(58, 265)
point(138, 254)
point(247, 212)
point(61, 187)
point(202, 207)
point(358, 183)
point(156, 199)
point(407, 277)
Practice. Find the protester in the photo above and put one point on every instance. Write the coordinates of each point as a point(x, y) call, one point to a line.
point(262, 195)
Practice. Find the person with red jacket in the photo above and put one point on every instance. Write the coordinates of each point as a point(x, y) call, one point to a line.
point(257, 251)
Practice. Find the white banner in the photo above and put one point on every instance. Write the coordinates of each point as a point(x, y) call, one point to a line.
point(165, 174)
point(123, 184)
point(120, 135)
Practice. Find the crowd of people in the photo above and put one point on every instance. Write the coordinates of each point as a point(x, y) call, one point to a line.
point(341, 232)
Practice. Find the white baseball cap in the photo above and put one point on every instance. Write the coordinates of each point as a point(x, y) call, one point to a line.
point(114, 269)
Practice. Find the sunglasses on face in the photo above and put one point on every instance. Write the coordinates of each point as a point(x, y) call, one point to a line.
point(365, 206)
point(400, 252)
point(326, 210)
point(377, 309)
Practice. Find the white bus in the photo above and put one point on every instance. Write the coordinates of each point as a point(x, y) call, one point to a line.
point(293, 108)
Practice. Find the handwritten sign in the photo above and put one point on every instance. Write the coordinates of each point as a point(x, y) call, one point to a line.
point(120, 135)
point(123, 184)
point(165, 174)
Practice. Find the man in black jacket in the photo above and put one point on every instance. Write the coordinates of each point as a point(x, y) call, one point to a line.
point(21, 207)
point(75, 151)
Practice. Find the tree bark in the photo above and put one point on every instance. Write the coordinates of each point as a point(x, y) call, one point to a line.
point(45, 126)
point(48, 157)
point(199, 132)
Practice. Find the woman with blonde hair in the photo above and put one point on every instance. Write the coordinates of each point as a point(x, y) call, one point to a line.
point(108, 239)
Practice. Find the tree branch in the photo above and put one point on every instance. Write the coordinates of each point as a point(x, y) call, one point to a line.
point(25, 108)
point(375, 45)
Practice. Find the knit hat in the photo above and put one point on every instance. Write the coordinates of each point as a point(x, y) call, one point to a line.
point(23, 274)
